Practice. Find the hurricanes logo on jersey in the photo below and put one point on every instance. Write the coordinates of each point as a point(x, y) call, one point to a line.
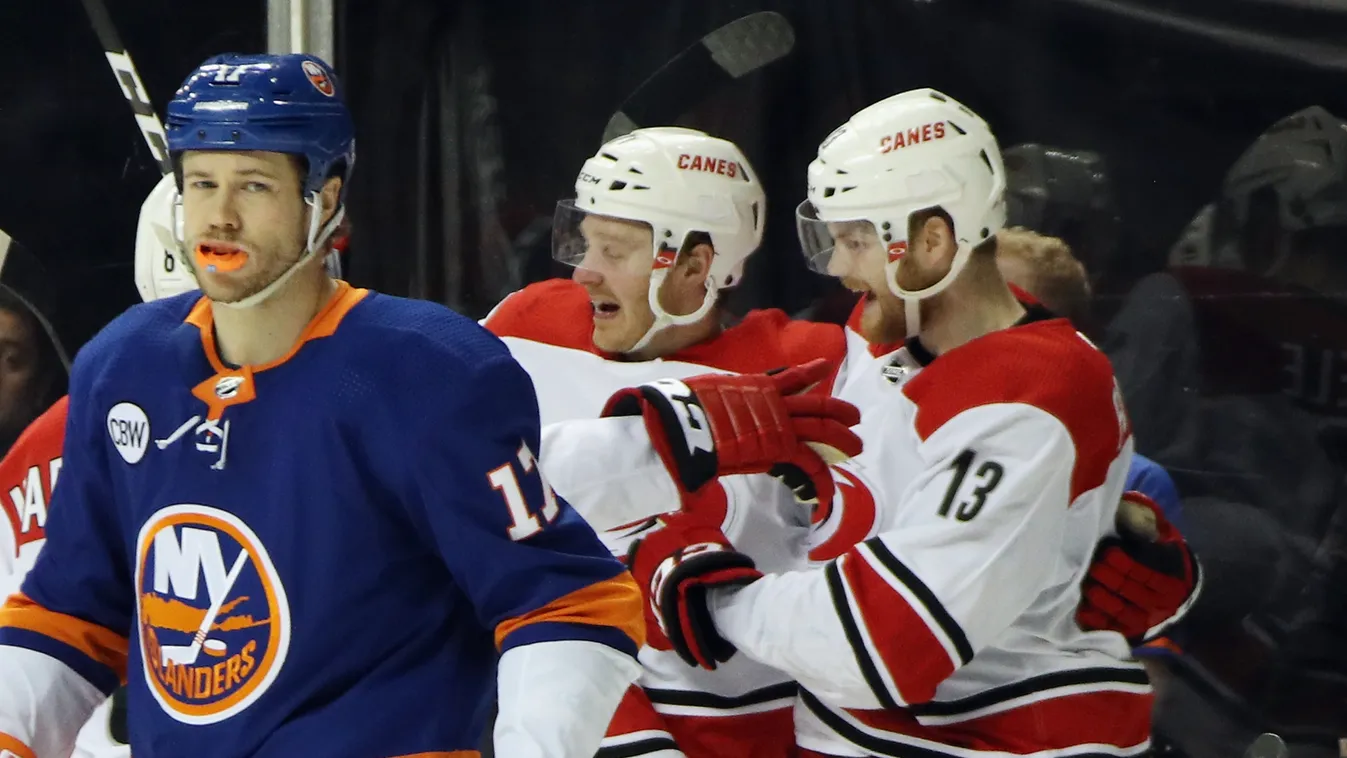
point(850, 517)
point(214, 619)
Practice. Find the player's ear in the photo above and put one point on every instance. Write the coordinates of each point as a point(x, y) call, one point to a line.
point(937, 241)
point(330, 196)
point(695, 263)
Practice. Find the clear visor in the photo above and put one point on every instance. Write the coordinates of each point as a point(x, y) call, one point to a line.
point(600, 243)
point(834, 248)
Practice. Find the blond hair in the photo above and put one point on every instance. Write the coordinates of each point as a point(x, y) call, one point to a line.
point(1044, 267)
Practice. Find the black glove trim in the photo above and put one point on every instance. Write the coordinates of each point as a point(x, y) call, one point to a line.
point(684, 420)
point(696, 602)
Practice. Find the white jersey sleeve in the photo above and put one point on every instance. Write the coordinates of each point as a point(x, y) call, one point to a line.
point(555, 697)
point(14, 564)
point(607, 470)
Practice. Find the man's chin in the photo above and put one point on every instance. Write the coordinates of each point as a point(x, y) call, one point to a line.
point(221, 290)
point(611, 340)
point(615, 338)
point(883, 323)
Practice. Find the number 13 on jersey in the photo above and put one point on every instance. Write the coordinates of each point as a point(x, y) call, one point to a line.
point(526, 519)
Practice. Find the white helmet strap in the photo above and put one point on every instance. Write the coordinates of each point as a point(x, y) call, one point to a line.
point(664, 319)
point(912, 298)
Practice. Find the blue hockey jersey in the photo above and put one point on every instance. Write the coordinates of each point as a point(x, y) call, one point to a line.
point(318, 556)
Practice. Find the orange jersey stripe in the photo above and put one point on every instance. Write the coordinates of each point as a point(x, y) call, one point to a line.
point(1163, 643)
point(102, 645)
point(612, 602)
point(14, 746)
point(324, 324)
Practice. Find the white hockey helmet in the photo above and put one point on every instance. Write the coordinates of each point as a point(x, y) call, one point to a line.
point(909, 152)
point(678, 181)
point(160, 271)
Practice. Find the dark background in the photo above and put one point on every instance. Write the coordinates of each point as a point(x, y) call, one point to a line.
point(474, 116)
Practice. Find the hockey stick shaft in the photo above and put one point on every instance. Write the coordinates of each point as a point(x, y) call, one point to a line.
point(730, 52)
point(129, 80)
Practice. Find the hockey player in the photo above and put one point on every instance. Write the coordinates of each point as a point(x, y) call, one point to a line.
point(996, 445)
point(290, 505)
point(620, 320)
point(663, 219)
point(30, 469)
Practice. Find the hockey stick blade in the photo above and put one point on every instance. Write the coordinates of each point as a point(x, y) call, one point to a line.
point(734, 50)
point(129, 80)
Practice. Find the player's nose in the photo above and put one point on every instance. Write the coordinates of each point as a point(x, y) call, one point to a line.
point(587, 276)
point(839, 263)
point(222, 212)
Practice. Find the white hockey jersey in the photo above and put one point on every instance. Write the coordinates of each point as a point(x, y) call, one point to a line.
point(940, 616)
point(611, 475)
point(988, 477)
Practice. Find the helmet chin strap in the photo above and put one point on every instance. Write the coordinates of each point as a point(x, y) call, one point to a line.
point(317, 238)
point(912, 298)
point(664, 319)
point(912, 314)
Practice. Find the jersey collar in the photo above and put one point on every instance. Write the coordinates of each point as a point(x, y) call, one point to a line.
point(232, 385)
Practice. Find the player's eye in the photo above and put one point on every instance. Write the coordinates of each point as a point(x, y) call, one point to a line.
point(257, 187)
point(14, 361)
point(202, 184)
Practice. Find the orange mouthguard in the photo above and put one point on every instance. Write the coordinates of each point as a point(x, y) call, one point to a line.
point(217, 257)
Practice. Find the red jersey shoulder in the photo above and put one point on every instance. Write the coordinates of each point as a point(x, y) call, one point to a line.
point(1045, 364)
point(767, 339)
point(553, 312)
point(558, 312)
point(28, 473)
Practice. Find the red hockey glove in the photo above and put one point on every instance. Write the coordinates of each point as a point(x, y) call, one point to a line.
point(719, 424)
point(1143, 581)
point(675, 566)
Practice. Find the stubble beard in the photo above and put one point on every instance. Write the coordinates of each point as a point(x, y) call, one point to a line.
point(236, 289)
point(884, 320)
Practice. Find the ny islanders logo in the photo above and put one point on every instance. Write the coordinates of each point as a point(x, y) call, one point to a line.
point(318, 78)
point(214, 619)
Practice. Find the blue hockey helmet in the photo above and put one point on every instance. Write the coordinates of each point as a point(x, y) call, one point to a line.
point(274, 103)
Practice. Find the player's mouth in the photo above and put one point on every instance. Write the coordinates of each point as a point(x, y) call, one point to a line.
point(867, 295)
point(604, 309)
point(220, 257)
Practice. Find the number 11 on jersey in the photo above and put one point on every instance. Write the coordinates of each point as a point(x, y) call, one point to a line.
point(523, 522)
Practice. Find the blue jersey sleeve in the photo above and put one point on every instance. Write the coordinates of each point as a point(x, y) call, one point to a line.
point(531, 566)
point(76, 604)
point(1150, 479)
